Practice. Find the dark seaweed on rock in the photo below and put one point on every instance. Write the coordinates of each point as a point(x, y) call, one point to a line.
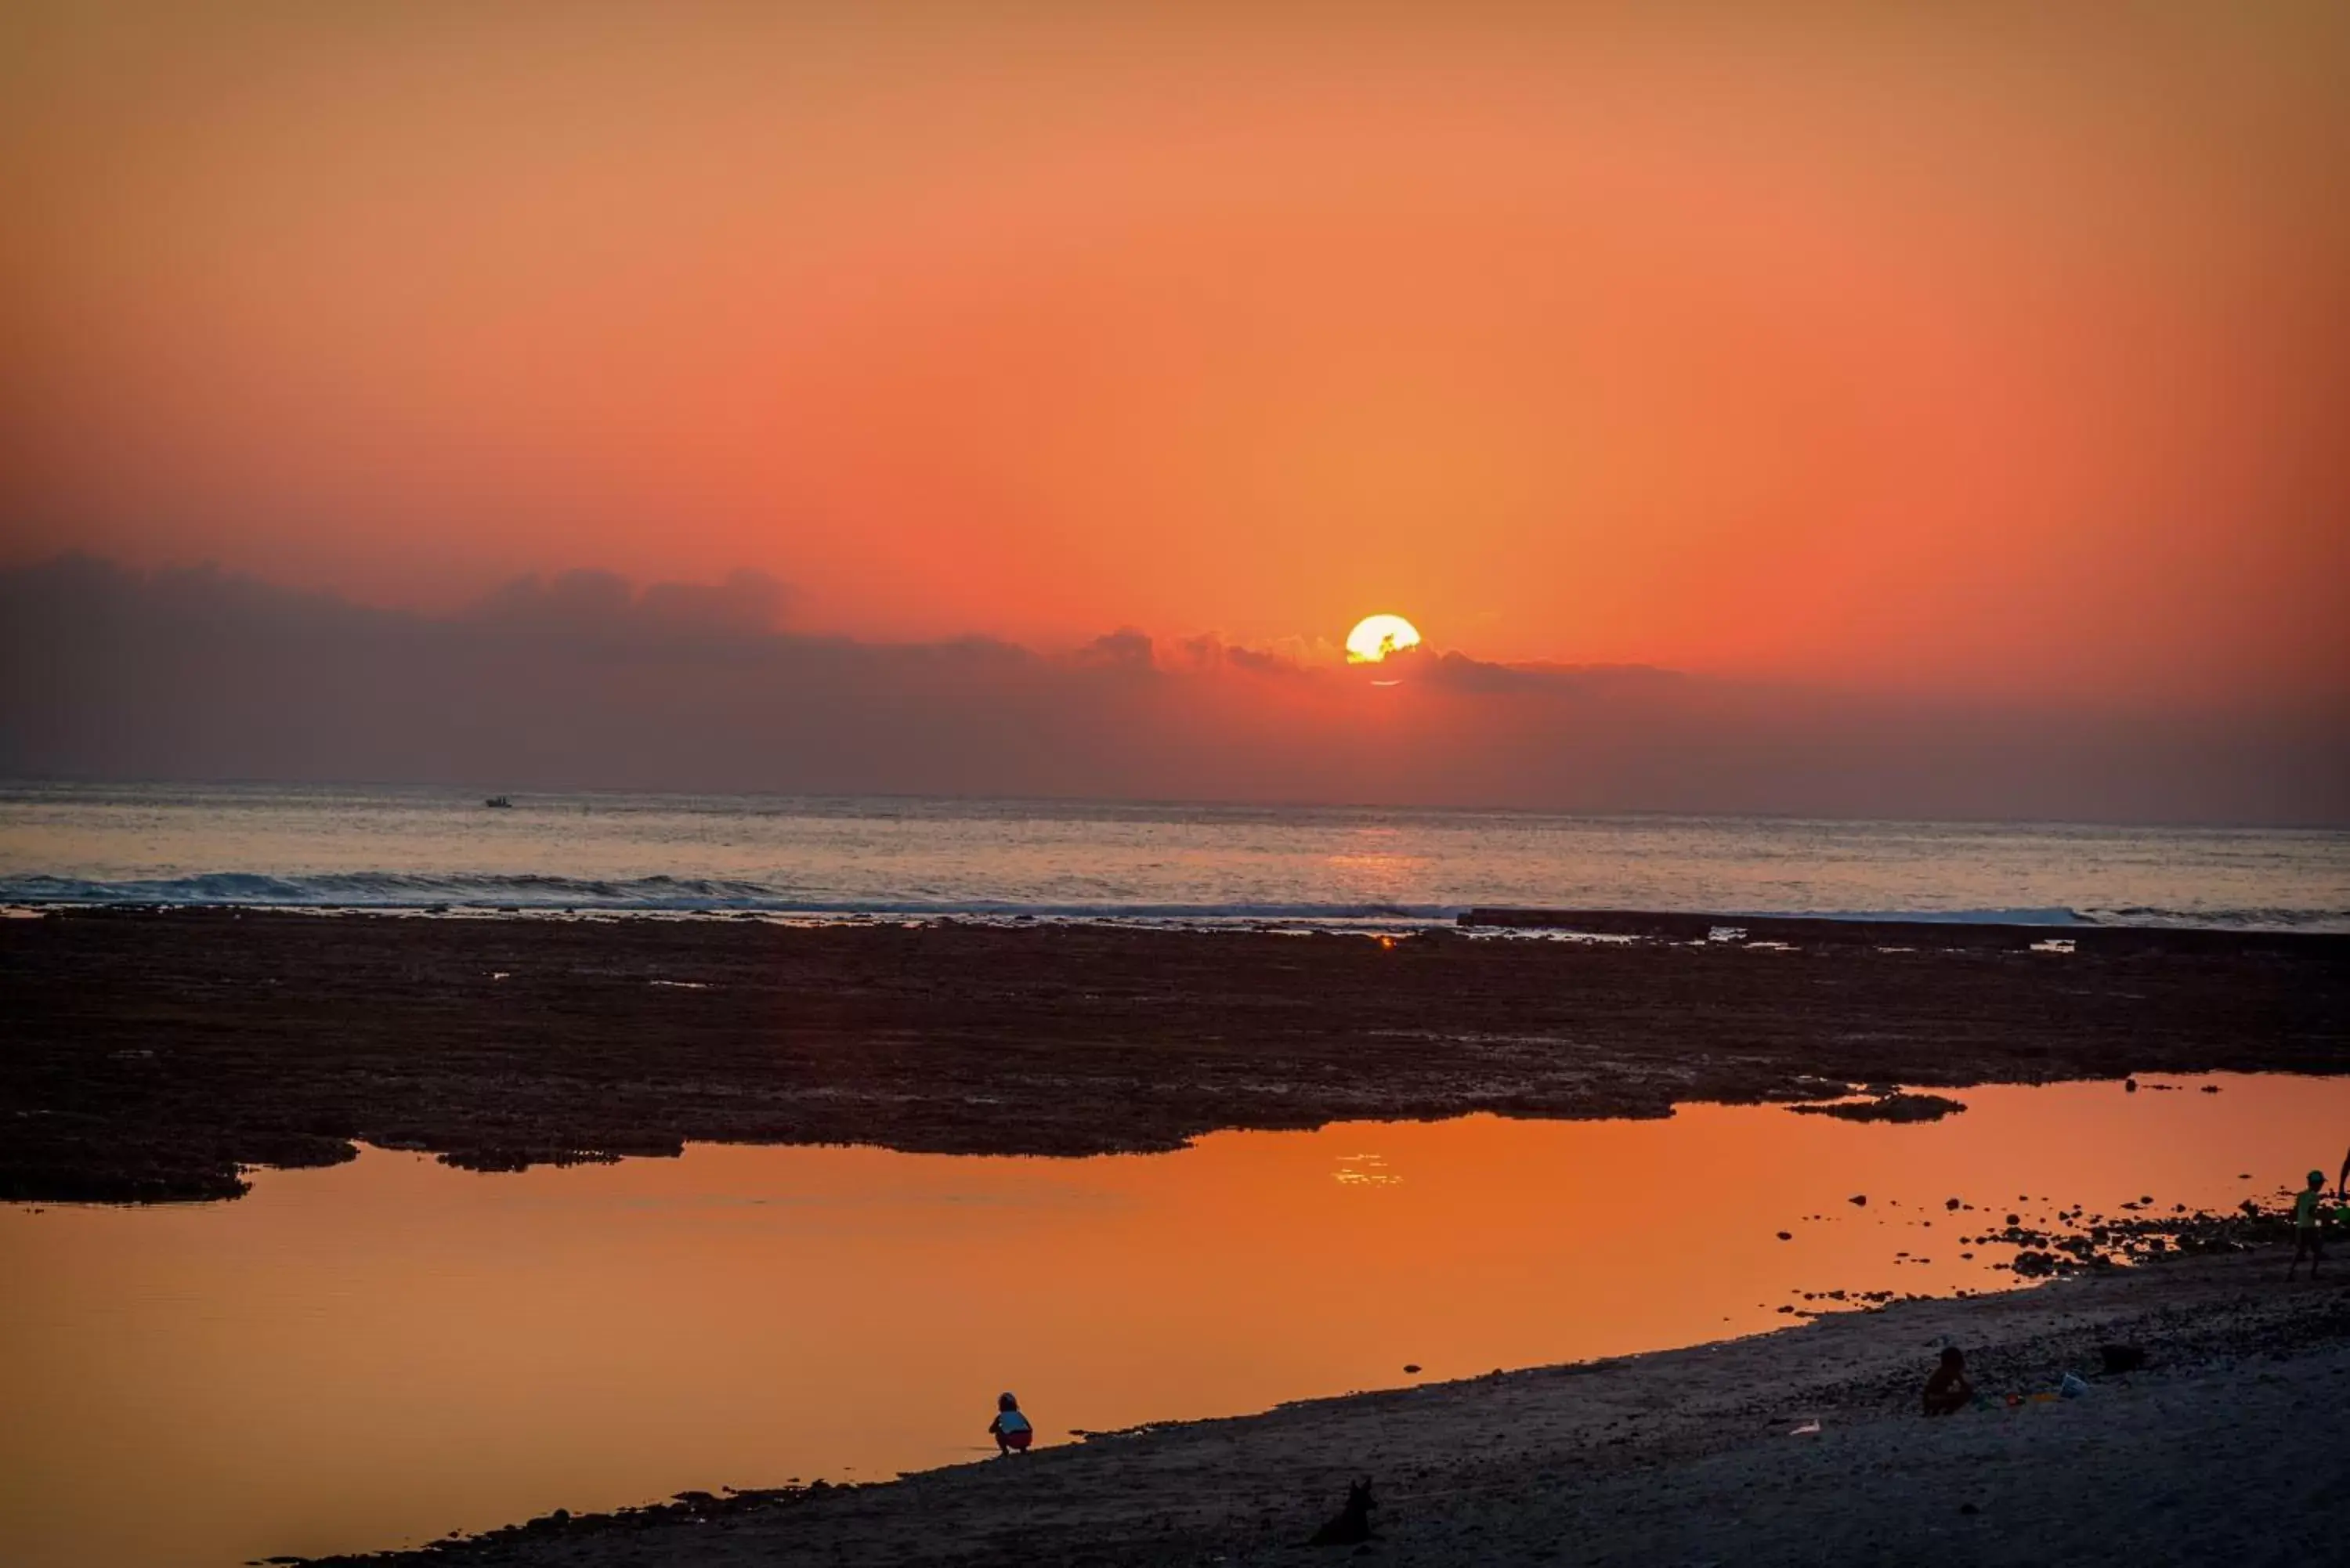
point(1893, 1107)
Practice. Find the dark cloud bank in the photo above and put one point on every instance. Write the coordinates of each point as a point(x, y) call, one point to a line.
point(582, 681)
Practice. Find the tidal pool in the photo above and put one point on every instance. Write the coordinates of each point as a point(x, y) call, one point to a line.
point(371, 1355)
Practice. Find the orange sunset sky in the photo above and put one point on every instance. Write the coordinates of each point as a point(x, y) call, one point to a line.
point(1974, 350)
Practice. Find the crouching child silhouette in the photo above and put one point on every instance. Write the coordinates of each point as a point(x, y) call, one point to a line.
point(1948, 1392)
point(1010, 1429)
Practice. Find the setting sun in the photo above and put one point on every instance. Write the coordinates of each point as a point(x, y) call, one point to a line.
point(1376, 636)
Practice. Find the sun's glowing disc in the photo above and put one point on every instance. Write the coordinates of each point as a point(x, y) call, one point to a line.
point(1376, 636)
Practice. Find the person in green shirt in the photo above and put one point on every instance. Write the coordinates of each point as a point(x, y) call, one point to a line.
point(2308, 1241)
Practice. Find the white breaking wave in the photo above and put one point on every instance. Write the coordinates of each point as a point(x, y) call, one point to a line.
point(398, 890)
point(535, 892)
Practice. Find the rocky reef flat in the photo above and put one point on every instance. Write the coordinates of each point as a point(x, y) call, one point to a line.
point(154, 1054)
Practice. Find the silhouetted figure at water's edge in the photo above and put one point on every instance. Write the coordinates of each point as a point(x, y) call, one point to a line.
point(1010, 1429)
point(2308, 1234)
point(1948, 1392)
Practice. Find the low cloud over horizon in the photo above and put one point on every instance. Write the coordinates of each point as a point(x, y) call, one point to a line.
point(581, 679)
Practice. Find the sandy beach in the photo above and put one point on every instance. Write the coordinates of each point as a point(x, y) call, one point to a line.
point(155, 1053)
point(2229, 1442)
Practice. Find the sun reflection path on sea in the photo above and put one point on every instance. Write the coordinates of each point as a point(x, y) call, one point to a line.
point(1373, 870)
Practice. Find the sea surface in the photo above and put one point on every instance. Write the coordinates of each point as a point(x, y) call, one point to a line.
point(374, 1353)
point(422, 848)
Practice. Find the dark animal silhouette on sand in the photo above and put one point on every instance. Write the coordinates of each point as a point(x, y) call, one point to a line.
point(1353, 1522)
point(2116, 1358)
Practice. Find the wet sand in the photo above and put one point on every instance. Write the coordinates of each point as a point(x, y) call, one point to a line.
point(2228, 1445)
point(153, 1054)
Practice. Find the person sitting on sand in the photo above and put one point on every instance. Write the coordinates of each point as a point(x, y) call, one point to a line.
point(2308, 1241)
point(1948, 1392)
point(1010, 1429)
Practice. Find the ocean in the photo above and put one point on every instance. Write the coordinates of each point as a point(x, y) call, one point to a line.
point(422, 848)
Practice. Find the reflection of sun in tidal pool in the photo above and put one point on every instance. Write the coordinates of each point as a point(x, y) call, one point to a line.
point(1376, 636)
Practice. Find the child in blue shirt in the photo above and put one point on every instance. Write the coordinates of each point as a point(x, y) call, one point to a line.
point(1010, 1429)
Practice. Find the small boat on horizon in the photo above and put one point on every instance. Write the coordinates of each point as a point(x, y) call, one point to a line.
point(500, 802)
